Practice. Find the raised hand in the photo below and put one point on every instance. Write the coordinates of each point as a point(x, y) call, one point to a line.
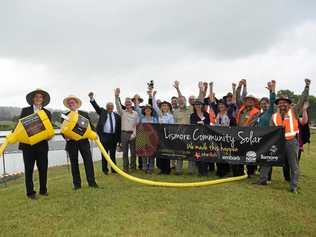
point(307, 81)
point(305, 105)
point(176, 84)
point(117, 92)
point(205, 85)
point(273, 83)
point(154, 93)
point(244, 81)
point(91, 95)
point(234, 86)
point(200, 85)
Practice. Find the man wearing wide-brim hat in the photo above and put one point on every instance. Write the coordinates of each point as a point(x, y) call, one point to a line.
point(73, 103)
point(37, 153)
point(247, 116)
point(287, 116)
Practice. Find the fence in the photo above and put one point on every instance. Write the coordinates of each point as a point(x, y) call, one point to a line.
point(55, 144)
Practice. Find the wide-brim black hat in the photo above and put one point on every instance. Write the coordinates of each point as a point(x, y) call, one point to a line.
point(282, 97)
point(30, 96)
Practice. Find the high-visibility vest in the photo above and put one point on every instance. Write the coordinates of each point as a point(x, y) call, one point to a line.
point(250, 116)
point(212, 117)
point(290, 124)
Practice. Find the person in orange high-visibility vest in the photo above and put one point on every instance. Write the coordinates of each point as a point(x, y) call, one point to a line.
point(246, 117)
point(287, 117)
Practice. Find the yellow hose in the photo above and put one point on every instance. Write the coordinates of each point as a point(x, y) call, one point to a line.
point(3, 147)
point(163, 184)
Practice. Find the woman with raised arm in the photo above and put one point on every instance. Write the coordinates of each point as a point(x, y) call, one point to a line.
point(165, 117)
point(146, 115)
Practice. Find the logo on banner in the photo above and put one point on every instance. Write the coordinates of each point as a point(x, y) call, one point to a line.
point(251, 156)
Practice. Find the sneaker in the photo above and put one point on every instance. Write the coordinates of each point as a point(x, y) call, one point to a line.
point(294, 190)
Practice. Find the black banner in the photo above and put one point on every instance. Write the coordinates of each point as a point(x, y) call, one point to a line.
point(234, 145)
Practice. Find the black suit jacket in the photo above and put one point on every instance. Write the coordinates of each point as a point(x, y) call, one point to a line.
point(43, 145)
point(103, 113)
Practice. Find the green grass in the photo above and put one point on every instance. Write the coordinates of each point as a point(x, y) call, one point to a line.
point(123, 208)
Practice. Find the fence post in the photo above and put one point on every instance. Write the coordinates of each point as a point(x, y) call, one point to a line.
point(4, 171)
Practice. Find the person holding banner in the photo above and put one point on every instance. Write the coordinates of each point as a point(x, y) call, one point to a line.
point(164, 116)
point(108, 129)
point(37, 153)
point(128, 136)
point(73, 103)
point(223, 116)
point(287, 116)
point(263, 121)
point(246, 117)
point(146, 115)
point(182, 116)
point(200, 116)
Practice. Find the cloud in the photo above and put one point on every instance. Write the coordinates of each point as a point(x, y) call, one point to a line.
point(71, 47)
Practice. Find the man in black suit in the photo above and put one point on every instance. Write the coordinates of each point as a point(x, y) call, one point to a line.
point(73, 147)
point(108, 129)
point(37, 153)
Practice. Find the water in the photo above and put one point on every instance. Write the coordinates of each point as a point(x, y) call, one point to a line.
point(57, 156)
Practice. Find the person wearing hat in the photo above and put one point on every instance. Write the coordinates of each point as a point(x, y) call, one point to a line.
point(200, 116)
point(108, 129)
point(246, 117)
point(146, 115)
point(288, 117)
point(163, 110)
point(38, 153)
point(128, 135)
point(73, 147)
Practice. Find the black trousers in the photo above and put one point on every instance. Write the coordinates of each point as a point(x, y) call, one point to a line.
point(251, 169)
point(73, 148)
point(203, 167)
point(164, 165)
point(222, 169)
point(238, 170)
point(40, 157)
point(109, 142)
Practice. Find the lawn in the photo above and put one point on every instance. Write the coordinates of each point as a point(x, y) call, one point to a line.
point(123, 208)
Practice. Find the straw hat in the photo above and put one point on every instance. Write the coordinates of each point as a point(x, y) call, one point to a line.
point(72, 97)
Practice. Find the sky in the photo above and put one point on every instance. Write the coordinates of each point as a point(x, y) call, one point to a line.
point(76, 46)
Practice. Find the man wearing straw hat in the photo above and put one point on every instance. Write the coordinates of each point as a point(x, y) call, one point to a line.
point(38, 153)
point(73, 147)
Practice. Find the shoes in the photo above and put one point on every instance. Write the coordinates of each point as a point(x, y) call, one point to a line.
point(261, 183)
point(294, 190)
point(44, 194)
point(105, 172)
point(94, 185)
point(32, 197)
point(178, 173)
point(77, 187)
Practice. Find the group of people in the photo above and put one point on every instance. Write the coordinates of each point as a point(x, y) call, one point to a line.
point(118, 129)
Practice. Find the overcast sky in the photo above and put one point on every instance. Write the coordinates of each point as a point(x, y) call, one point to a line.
point(76, 46)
